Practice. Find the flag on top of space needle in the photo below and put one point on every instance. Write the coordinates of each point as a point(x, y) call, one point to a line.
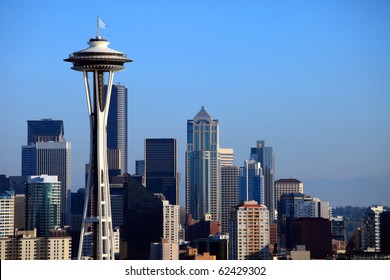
point(101, 23)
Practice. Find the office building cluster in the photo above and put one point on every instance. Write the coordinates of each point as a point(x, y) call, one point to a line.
point(230, 212)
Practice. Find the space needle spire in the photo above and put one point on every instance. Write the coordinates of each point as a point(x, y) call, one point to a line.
point(101, 62)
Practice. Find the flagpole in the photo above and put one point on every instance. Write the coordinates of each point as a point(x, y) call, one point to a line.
point(97, 26)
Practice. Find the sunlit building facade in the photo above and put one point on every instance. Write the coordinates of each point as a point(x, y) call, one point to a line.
point(249, 232)
point(203, 173)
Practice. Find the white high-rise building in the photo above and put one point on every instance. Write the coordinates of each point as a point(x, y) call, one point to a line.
point(168, 248)
point(171, 222)
point(249, 232)
point(7, 201)
point(371, 231)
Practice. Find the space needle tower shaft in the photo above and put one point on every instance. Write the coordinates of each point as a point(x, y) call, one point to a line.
point(101, 62)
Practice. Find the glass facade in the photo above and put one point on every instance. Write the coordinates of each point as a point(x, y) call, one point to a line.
point(203, 167)
point(43, 204)
point(265, 156)
point(161, 168)
point(251, 182)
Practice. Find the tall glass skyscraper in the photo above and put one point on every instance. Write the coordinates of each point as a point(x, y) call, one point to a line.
point(117, 129)
point(203, 167)
point(266, 157)
point(161, 168)
point(251, 182)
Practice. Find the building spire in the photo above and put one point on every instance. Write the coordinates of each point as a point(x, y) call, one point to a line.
point(202, 114)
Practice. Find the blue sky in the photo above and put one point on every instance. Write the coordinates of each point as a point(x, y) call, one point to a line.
point(309, 77)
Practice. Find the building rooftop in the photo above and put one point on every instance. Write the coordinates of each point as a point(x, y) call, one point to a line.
point(290, 180)
point(43, 179)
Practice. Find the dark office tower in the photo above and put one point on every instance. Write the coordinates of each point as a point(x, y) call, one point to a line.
point(77, 208)
point(266, 157)
point(4, 183)
point(338, 228)
point(117, 125)
point(161, 168)
point(45, 130)
point(20, 211)
point(384, 220)
point(142, 220)
point(203, 172)
point(18, 184)
point(116, 196)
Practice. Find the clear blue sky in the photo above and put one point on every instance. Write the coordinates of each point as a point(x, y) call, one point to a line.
point(312, 78)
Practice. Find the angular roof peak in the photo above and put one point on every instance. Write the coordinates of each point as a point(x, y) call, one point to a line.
point(202, 115)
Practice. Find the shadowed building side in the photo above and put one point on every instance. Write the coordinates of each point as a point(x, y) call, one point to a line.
point(142, 221)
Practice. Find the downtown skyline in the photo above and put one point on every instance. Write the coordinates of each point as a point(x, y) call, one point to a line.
point(311, 80)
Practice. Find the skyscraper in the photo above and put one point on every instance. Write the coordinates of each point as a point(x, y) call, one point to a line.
point(7, 213)
point(229, 186)
point(338, 228)
point(168, 248)
point(142, 220)
point(266, 157)
point(43, 204)
point(161, 168)
point(51, 158)
point(251, 182)
point(249, 232)
point(203, 167)
point(371, 231)
point(229, 193)
point(117, 126)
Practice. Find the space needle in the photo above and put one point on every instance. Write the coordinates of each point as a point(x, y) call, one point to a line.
point(101, 61)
